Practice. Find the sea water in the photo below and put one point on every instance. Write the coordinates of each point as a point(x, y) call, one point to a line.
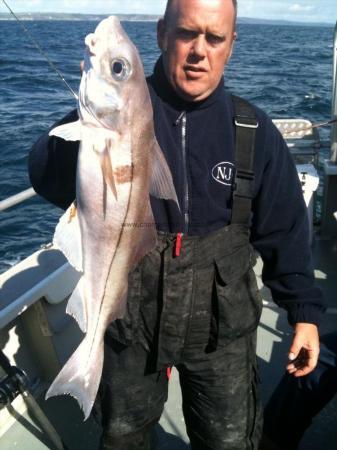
point(285, 70)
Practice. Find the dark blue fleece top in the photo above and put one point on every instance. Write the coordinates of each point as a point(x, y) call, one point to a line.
point(198, 142)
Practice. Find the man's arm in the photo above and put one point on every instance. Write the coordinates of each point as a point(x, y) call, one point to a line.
point(280, 233)
point(52, 166)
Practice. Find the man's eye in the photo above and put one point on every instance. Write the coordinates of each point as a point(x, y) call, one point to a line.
point(186, 35)
point(214, 40)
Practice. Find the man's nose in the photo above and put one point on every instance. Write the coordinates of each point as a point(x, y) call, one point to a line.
point(199, 46)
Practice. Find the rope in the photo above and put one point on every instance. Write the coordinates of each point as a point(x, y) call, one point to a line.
point(309, 127)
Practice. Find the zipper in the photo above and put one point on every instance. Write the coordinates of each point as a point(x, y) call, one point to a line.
point(182, 120)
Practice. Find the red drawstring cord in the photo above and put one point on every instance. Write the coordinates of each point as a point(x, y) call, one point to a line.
point(168, 372)
point(178, 244)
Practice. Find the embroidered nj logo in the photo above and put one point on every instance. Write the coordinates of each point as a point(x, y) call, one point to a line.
point(223, 173)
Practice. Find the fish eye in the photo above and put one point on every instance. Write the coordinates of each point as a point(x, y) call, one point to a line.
point(120, 69)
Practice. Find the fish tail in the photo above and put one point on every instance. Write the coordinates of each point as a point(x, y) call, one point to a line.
point(81, 375)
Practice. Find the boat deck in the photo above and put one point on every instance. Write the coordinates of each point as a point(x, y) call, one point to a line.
point(273, 340)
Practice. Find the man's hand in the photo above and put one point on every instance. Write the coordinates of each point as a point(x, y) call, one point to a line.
point(304, 350)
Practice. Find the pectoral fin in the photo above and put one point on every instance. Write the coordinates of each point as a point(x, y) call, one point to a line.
point(69, 131)
point(161, 181)
point(106, 166)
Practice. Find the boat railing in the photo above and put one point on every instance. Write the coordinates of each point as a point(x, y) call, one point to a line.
point(329, 210)
point(333, 158)
point(16, 199)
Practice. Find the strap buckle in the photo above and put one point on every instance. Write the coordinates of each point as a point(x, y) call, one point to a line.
point(246, 174)
point(246, 122)
point(244, 184)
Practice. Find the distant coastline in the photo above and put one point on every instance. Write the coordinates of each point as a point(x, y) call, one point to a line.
point(81, 17)
point(143, 18)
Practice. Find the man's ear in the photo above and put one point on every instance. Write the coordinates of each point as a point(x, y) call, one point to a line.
point(161, 35)
point(233, 42)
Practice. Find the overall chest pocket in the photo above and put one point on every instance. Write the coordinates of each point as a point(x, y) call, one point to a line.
point(238, 303)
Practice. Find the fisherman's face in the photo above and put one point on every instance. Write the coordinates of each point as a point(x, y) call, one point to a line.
point(196, 43)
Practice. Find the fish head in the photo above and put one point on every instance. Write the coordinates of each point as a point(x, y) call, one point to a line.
point(112, 71)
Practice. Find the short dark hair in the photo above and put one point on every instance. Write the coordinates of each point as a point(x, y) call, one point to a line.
point(169, 2)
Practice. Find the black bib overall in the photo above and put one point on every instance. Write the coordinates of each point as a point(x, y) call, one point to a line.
point(199, 312)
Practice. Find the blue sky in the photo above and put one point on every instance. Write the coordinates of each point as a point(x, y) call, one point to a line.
point(297, 10)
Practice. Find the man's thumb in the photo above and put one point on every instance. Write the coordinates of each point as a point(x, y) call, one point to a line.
point(294, 351)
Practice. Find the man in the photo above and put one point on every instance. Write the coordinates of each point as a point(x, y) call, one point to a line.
point(193, 301)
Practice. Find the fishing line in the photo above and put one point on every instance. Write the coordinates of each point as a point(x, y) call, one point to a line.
point(52, 65)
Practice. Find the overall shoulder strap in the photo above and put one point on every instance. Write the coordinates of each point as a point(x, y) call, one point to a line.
point(243, 189)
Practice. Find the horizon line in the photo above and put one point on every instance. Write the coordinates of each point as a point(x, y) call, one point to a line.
point(159, 15)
